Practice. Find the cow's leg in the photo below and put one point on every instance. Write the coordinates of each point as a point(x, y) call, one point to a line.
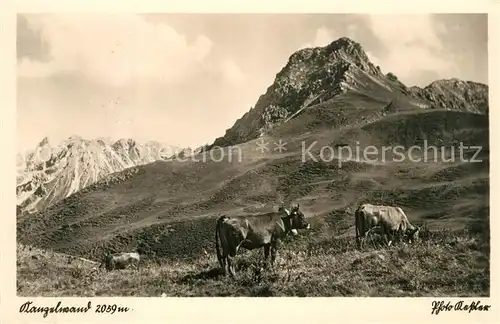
point(230, 266)
point(398, 239)
point(231, 261)
point(274, 250)
point(232, 257)
point(385, 239)
point(224, 263)
point(266, 254)
point(362, 240)
point(231, 254)
point(392, 237)
point(388, 239)
point(385, 234)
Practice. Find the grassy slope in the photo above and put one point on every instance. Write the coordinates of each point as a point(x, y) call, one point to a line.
point(168, 208)
point(442, 264)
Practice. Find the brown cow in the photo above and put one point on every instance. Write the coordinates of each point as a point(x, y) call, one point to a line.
point(391, 220)
point(253, 232)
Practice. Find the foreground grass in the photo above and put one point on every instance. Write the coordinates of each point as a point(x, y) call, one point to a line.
point(441, 264)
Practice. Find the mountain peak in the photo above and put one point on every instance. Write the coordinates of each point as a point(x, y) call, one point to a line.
point(311, 76)
point(44, 142)
point(124, 142)
point(342, 48)
point(346, 40)
point(344, 43)
point(316, 75)
point(75, 138)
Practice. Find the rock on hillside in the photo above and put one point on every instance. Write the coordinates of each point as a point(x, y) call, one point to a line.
point(47, 175)
point(189, 152)
point(316, 75)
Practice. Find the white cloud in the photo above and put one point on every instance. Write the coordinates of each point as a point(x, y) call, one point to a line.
point(412, 45)
point(322, 37)
point(114, 49)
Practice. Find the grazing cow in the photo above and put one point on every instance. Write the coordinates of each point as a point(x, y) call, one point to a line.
point(120, 260)
point(391, 220)
point(253, 232)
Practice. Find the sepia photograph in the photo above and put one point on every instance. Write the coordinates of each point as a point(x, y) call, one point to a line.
point(252, 155)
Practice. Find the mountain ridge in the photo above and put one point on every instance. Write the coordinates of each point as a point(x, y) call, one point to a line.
point(49, 174)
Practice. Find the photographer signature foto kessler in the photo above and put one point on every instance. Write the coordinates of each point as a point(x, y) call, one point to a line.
point(440, 306)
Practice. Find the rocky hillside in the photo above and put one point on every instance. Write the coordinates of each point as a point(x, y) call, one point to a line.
point(316, 75)
point(47, 175)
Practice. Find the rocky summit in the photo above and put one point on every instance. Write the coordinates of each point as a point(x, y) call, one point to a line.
point(316, 75)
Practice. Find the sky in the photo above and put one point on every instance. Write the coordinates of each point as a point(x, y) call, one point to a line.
point(183, 79)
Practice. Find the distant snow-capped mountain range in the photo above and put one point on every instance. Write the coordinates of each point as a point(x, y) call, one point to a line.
point(48, 174)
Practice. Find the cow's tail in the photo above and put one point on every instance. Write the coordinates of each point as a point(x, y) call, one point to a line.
point(217, 237)
point(359, 224)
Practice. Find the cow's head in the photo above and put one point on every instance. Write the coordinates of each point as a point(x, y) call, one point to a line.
point(298, 220)
point(412, 234)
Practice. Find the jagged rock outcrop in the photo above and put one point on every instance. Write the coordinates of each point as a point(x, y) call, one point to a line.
point(454, 94)
point(49, 174)
point(315, 75)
